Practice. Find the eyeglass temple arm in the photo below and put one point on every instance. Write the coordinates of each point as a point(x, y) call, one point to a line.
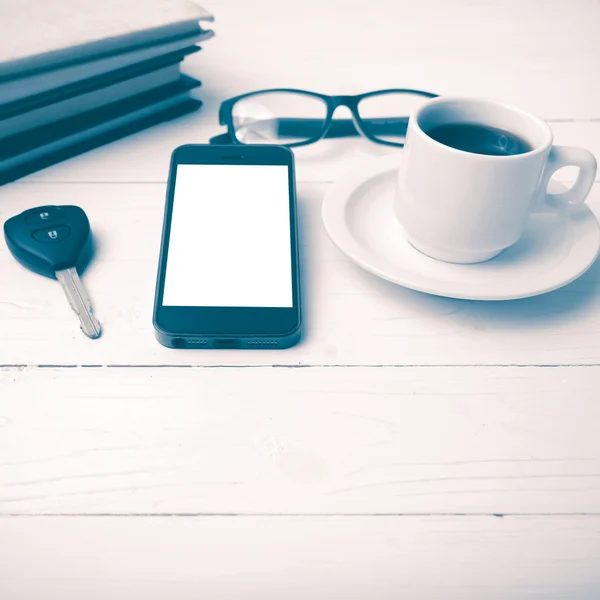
point(223, 138)
point(341, 127)
point(308, 128)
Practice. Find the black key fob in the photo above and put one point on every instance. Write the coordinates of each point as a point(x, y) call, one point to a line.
point(48, 239)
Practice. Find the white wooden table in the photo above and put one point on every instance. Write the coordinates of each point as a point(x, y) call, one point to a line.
point(410, 447)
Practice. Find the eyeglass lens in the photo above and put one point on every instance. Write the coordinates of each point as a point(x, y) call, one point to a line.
point(278, 118)
point(384, 116)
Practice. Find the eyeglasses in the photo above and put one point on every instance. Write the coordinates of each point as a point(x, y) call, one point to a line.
point(292, 118)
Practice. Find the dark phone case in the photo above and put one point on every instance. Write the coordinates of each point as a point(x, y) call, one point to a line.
point(229, 341)
point(267, 342)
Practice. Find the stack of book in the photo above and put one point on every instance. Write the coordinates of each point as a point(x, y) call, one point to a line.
point(75, 74)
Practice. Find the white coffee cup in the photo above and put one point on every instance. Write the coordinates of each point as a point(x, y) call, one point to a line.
point(462, 207)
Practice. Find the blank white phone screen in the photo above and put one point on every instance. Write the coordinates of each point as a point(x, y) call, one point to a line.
point(230, 237)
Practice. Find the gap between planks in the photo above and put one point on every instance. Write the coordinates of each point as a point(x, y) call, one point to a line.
point(208, 515)
point(300, 366)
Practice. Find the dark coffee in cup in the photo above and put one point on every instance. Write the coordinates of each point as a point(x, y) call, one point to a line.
point(479, 139)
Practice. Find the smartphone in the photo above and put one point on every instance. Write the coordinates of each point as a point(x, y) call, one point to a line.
point(228, 272)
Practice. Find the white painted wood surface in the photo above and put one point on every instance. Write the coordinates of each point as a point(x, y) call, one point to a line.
point(474, 440)
point(267, 558)
point(381, 431)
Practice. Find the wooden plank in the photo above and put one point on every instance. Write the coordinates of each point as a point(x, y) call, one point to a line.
point(300, 441)
point(543, 60)
point(351, 316)
point(297, 558)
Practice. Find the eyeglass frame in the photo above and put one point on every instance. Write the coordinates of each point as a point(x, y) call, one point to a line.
point(337, 128)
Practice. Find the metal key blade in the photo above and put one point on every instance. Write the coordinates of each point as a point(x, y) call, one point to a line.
point(79, 301)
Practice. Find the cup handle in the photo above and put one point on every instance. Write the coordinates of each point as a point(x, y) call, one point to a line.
point(567, 156)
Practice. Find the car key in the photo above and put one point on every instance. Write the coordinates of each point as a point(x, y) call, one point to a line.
point(56, 241)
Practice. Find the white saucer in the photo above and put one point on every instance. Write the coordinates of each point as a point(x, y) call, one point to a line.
point(557, 247)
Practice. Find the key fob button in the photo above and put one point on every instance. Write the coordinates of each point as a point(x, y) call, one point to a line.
point(52, 234)
point(43, 215)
